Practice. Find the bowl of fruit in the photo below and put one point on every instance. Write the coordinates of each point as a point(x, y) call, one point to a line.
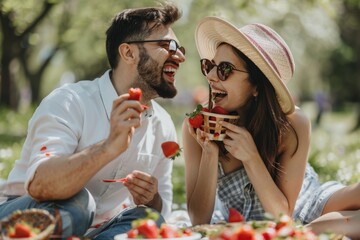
point(208, 120)
point(28, 224)
point(146, 228)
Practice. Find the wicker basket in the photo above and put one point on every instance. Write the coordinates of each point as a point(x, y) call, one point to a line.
point(212, 127)
point(35, 218)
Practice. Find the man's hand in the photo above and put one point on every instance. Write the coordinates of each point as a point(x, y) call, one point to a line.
point(125, 117)
point(144, 189)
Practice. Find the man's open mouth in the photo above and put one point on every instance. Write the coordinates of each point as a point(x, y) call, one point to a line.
point(169, 71)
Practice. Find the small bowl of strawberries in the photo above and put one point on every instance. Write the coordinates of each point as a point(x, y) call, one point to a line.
point(208, 120)
point(34, 224)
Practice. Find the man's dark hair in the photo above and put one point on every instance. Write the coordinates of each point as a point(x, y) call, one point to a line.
point(137, 24)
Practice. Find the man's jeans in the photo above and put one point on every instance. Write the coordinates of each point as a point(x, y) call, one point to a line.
point(77, 214)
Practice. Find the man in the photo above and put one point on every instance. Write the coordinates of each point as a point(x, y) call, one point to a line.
point(85, 132)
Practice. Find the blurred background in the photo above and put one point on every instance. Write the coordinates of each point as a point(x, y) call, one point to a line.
point(45, 44)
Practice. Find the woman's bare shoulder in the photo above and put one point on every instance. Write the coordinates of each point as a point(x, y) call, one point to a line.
point(299, 120)
point(299, 132)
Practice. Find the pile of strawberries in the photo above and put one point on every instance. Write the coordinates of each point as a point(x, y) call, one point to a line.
point(196, 118)
point(283, 228)
point(147, 228)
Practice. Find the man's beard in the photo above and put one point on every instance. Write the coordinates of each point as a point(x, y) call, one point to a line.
point(150, 73)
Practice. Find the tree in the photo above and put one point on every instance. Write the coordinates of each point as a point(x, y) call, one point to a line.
point(34, 34)
point(344, 65)
point(14, 47)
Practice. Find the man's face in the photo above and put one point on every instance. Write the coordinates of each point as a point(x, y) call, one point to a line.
point(157, 67)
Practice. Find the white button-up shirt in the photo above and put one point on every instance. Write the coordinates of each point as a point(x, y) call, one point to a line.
point(75, 117)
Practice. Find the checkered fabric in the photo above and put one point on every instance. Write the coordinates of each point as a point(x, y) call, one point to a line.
point(313, 196)
point(235, 190)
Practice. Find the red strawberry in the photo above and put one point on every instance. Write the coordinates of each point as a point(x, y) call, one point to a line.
point(148, 229)
point(246, 232)
point(219, 110)
point(21, 231)
point(171, 149)
point(269, 233)
point(196, 121)
point(186, 232)
point(284, 220)
point(168, 231)
point(196, 118)
point(235, 216)
point(135, 94)
point(133, 233)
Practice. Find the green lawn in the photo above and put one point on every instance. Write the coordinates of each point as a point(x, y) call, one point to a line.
point(335, 150)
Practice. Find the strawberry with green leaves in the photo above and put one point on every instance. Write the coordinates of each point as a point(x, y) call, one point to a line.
point(196, 118)
point(171, 149)
point(148, 228)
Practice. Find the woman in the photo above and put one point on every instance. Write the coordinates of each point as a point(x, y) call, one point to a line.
point(261, 166)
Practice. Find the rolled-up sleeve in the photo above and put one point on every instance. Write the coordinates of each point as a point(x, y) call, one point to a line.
point(54, 130)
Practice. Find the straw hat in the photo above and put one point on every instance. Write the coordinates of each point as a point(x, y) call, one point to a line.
point(259, 43)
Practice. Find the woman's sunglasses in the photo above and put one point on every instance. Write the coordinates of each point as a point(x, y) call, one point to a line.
point(224, 69)
point(172, 46)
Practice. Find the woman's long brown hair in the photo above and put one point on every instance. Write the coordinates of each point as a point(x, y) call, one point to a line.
point(266, 121)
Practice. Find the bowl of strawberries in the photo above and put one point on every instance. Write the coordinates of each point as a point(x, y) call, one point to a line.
point(208, 120)
point(34, 224)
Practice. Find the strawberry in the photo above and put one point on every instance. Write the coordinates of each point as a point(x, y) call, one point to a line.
point(235, 216)
point(186, 232)
point(135, 94)
point(133, 233)
point(284, 220)
point(21, 231)
point(269, 233)
point(168, 231)
point(196, 118)
point(219, 110)
point(246, 232)
point(148, 229)
point(171, 149)
point(196, 121)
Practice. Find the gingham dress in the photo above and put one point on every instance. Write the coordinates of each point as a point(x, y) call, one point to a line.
point(235, 190)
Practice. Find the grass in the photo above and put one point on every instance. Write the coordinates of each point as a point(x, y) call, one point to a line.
point(335, 150)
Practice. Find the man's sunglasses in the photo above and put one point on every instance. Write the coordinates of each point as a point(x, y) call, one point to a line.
point(224, 69)
point(172, 46)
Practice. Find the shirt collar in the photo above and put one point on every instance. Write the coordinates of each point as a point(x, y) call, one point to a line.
point(107, 91)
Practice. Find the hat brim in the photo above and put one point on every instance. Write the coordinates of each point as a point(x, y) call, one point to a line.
point(212, 31)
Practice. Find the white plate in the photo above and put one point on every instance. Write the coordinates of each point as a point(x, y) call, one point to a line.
point(194, 236)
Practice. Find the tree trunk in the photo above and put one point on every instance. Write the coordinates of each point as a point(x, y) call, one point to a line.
point(9, 93)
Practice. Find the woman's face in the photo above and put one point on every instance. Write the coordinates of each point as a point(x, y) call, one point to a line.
point(236, 91)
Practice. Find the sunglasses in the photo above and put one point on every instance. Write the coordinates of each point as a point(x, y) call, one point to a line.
point(172, 46)
point(224, 69)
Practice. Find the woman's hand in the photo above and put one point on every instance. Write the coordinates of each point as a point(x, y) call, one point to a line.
point(209, 147)
point(239, 142)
